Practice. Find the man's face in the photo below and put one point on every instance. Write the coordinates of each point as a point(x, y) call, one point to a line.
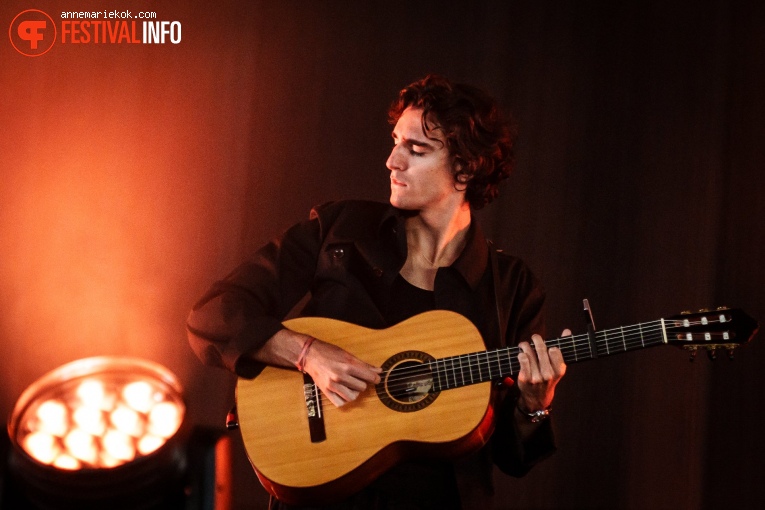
point(421, 174)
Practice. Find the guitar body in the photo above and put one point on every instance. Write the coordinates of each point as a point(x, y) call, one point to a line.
point(365, 437)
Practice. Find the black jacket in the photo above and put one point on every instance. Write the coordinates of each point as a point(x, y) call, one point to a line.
point(341, 263)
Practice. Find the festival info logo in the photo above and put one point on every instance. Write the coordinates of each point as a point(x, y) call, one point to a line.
point(32, 33)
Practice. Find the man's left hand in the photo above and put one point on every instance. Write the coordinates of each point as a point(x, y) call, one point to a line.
point(541, 370)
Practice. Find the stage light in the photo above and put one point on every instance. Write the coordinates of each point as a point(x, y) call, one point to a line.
point(104, 432)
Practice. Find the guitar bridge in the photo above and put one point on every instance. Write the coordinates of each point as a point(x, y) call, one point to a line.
point(314, 411)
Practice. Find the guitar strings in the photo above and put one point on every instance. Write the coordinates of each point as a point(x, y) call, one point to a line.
point(647, 337)
point(484, 366)
point(622, 342)
point(621, 339)
point(489, 361)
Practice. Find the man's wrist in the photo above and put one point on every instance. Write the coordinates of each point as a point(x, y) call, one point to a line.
point(534, 416)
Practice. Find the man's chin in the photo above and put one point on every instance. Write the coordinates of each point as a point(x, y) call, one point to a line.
point(400, 204)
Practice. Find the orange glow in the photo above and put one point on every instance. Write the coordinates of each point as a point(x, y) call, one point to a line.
point(149, 443)
point(138, 395)
point(127, 421)
point(81, 445)
point(119, 445)
point(109, 221)
point(107, 461)
point(91, 393)
point(42, 446)
point(53, 416)
point(67, 462)
point(164, 419)
point(90, 420)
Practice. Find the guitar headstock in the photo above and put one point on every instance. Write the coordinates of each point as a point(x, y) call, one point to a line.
point(712, 330)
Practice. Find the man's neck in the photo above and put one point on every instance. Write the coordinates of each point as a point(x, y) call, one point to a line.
point(438, 237)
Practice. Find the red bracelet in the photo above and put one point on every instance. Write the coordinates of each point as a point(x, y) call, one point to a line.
point(301, 359)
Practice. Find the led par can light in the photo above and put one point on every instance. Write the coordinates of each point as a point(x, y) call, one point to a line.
point(102, 432)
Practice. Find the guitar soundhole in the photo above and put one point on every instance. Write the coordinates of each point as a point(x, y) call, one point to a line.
point(407, 383)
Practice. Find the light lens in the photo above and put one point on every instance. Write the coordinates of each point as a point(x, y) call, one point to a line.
point(108, 412)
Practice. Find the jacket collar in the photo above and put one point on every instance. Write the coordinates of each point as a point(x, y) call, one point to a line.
point(471, 263)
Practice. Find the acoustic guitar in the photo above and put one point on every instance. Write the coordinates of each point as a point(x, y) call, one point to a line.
point(433, 400)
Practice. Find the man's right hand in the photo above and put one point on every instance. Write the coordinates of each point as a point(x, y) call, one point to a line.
point(340, 375)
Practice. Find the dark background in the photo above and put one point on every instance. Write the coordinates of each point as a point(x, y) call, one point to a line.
point(132, 176)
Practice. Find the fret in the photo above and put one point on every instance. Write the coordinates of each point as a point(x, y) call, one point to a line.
point(510, 358)
point(605, 335)
point(445, 374)
point(479, 367)
point(554, 342)
point(507, 361)
point(575, 345)
point(640, 328)
point(488, 364)
point(585, 342)
point(436, 376)
point(453, 372)
point(567, 352)
point(503, 368)
point(624, 342)
point(573, 341)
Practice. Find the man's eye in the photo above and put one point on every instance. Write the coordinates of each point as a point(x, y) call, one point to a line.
point(415, 153)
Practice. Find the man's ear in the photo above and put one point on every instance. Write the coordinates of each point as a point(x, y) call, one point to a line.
point(459, 176)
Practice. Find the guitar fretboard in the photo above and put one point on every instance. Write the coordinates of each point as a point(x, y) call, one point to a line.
point(478, 367)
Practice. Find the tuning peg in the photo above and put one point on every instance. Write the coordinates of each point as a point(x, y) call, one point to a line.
point(703, 310)
point(721, 308)
point(685, 312)
point(730, 354)
point(692, 358)
point(712, 354)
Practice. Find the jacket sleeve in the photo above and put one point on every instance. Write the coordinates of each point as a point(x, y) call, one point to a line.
point(238, 314)
point(512, 455)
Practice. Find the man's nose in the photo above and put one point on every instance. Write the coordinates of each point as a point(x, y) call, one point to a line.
point(394, 160)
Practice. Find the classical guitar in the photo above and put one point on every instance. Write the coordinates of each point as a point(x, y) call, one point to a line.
point(434, 397)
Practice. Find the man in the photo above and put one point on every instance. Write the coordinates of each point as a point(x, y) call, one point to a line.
point(376, 265)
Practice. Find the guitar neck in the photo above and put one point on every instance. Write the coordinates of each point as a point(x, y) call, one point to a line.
point(478, 367)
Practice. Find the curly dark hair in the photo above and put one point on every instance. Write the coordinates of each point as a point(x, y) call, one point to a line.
point(480, 141)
